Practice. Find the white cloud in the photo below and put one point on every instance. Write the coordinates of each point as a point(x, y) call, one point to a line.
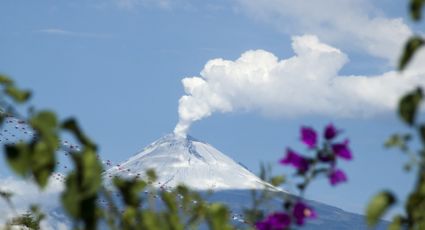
point(130, 4)
point(307, 83)
point(350, 24)
point(26, 193)
point(57, 31)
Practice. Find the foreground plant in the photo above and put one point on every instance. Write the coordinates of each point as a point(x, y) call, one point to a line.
point(414, 216)
point(321, 163)
point(35, 159)
point(89, 204)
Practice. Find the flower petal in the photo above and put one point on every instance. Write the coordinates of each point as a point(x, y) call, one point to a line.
point(330, 132)
point(294, 159)
point(337, 176)
point(277, 220)
point(342, 150)
point(308, 137)
point(302, 211)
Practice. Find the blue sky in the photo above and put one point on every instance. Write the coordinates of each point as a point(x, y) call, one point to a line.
point(117, 65)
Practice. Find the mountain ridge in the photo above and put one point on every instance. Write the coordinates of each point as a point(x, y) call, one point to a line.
point(187, 160)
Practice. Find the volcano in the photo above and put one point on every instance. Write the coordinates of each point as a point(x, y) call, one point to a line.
point(186, 160)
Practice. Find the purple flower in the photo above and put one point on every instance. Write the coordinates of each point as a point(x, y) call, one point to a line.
point(337, 176)
point(294, 159)
point(342, 150)
point(330, 132)
point(277, 220)
point(301, 211)
point(308, 136)
point(263, 225)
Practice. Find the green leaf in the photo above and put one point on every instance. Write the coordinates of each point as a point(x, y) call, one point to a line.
point(398, 141)
point(44, 120)
point(19, 159)
point(378, 206)
point(91, 172)
point(17, 95)
point(5, 80)
point(29, 220)
point(411, 47)
point(151, 175)
point(38, 157)
point(43, 149)
point(218, 217)
point(46, 124)
point(171, 214)
point(82, 187)
point(394, 141)
point(277, 180)
point(130, 190)
point(129, 218)
point(42, 162)
point(186, 196)
point(416, 9)
point(72, 126)
point(169, 201)
point(71, 199)
point(150, 221)
point(396, 223)
point(408, 106)
point(415, 204)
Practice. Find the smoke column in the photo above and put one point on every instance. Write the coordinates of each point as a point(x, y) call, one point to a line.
point(304, 84)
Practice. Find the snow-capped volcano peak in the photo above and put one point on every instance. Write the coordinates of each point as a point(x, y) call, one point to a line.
point(186, 160)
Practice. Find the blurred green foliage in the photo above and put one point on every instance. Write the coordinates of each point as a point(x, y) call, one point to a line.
point(408, 110)
point(378, 206)
point(183, 208)
point(35, 159)
point(29, 220)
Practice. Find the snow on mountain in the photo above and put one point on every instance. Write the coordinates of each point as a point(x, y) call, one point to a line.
point(198, 165)
point(176, 160)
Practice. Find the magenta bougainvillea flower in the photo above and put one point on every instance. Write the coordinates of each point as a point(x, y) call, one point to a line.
point(277, 220)
point(330, 132)
point(337, 176)
point(301, 212)
point(342, 150)
point(324, 162)
point(308, 136)
point(296, 160)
